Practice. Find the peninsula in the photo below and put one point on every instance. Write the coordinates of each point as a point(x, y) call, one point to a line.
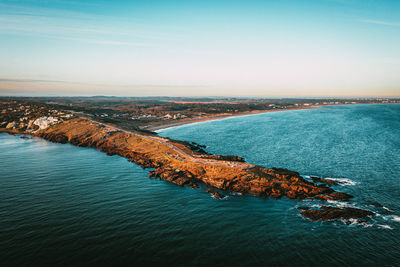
point(179, 162)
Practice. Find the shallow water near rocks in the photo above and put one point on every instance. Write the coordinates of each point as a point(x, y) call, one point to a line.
point(61, 204)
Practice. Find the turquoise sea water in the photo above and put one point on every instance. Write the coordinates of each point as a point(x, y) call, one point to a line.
point(66, 205)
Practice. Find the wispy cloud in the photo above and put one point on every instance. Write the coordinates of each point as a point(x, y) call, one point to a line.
point(107, 42)
point(78, 26)
point(41, 81)
point(28, 80)
point(380, 22)
point(35, 81)
point(38, 81)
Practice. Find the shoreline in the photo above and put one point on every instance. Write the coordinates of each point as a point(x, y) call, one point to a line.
point(156, 128)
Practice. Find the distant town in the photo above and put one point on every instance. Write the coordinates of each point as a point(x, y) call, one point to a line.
point(30, 117)
point(146, 114)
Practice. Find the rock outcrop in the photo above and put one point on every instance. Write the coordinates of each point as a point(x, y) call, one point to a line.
point(321, 180)
point(215, 194)
point(182, 178)
point(327, 213)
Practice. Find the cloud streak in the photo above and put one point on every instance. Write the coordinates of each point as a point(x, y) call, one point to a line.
point(78, 26)
point(35, 81)
point(380, 22)
point(29, 81)
point(109, 42)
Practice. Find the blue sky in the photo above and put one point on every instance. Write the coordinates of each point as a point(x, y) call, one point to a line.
point(194, 48)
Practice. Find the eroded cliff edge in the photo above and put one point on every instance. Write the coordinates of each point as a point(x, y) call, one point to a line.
point(182, 165)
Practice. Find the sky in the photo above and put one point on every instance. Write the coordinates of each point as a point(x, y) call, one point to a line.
point(269, 48)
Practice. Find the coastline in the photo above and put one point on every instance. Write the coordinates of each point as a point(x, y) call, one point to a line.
point(158, 127)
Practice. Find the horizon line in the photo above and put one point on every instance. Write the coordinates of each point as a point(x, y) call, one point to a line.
point(209, 96)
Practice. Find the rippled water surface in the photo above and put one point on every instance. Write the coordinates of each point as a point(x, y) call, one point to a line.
point(61, 204)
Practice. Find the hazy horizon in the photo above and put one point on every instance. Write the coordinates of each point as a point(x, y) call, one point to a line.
point(276, 49)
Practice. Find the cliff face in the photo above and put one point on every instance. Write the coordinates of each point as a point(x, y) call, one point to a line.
point(178, 164)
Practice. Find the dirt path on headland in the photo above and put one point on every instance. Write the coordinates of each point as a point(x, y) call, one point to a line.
point(183, 155)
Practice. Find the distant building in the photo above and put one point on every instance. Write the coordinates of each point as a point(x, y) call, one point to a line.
point(168, 116)
point(44, 122)
point(10, 125)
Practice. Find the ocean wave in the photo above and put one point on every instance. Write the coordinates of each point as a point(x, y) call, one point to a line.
point(385, 217)
point(365, 224)
point(341, 204)
point(395, 218)
point(378, 205)
point(342, 181)
point(224, 198)
point(387, 209)
point(384, 226)
point(356, 222)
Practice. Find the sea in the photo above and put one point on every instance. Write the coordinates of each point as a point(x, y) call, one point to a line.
point(73, 206)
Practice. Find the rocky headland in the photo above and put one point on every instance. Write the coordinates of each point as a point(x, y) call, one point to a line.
point(187, 164)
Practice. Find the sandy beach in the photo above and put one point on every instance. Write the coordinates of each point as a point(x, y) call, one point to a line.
point(170, 124)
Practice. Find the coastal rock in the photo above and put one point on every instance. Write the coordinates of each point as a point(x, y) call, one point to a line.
point(215, 194)
point(327, 213)
point(182, 178)
point(334, 196)
point(321, 180)
point(324, 197)
point(55, 138)
point(340, 196)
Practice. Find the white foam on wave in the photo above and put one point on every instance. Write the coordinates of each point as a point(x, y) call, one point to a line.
point(385, 226)
point(224, 198)
point(355, 222)
point(395, 218)
point(367, 225)
point(385, 217)
point(341, 204)
point(385, 208)
point(342, 181)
